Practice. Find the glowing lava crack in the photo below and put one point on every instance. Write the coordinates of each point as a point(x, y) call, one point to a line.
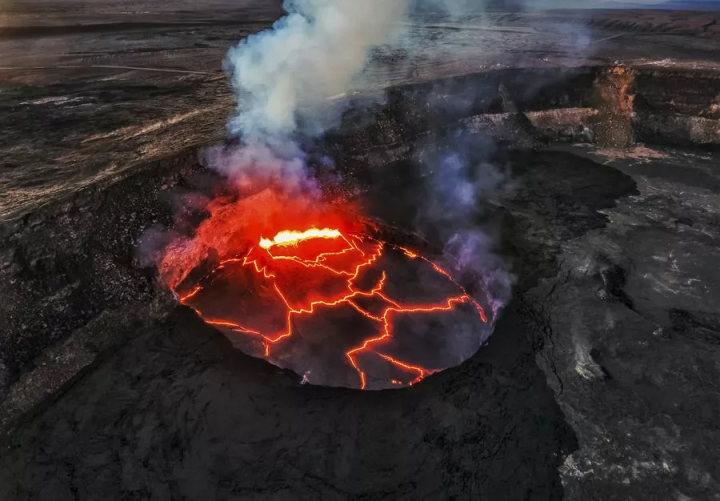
point(302, 272)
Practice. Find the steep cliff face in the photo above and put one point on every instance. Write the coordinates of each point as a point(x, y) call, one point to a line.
point(612, 106)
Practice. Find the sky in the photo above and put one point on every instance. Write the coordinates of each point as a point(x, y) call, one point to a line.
point(712, 4)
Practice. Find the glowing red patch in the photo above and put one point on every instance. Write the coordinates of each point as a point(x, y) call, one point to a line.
point(320, 299)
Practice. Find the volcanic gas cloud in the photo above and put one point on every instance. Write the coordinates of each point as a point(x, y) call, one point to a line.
point(287, 273)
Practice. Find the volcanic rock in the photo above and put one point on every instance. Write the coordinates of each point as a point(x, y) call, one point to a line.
point(599, 381)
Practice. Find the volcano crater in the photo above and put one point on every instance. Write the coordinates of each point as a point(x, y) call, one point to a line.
point(103, 372)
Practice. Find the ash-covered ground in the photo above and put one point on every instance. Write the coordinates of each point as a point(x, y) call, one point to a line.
point(599, 381)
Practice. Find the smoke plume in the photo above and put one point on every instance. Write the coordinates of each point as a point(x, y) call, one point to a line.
point(461, 178)
point(290, 79)
point(285, 76)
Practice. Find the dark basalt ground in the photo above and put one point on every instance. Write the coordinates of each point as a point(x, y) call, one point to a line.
point(175, 411)
point(178, 413)
point(607, 310)
point(599, 381)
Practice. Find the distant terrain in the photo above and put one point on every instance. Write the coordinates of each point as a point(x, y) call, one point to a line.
point(76, 77)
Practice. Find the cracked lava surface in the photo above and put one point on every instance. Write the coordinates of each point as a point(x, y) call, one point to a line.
point(339, 307)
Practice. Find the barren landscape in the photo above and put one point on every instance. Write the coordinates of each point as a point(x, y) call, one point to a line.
point(599, 380)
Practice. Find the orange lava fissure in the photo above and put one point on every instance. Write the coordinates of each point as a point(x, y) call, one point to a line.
point(285, 247)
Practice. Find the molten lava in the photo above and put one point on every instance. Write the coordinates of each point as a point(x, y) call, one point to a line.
point(319, 268)
point(308, 286)
point(294, 237)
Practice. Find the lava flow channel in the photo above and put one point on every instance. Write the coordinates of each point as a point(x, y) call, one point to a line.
point(329, 254)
